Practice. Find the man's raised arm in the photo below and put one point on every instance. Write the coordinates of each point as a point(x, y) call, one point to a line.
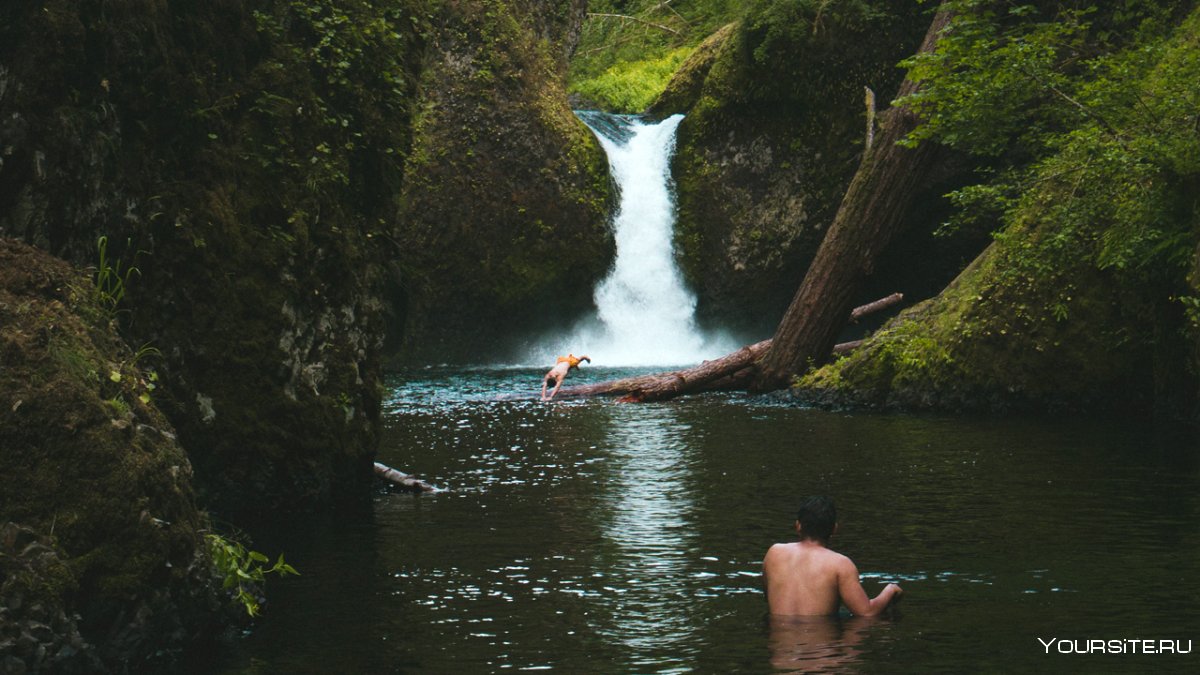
point(854, 596)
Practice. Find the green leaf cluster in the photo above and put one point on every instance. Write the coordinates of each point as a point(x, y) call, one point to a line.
point(631, 86)
point(1083, 118)
point(339, 72)
point(242, 569)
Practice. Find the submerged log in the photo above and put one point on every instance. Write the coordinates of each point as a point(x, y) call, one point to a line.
point(401, 479)
point(734, 371)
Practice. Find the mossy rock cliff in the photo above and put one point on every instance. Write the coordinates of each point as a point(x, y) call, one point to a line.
point(295, 182)
point(506, 197)
point(245, 158)
point(773, 133)
point(102, 560)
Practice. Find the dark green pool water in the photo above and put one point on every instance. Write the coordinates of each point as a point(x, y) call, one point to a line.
point(596, 537)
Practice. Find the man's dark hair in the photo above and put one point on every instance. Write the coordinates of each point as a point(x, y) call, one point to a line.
point(817, 516)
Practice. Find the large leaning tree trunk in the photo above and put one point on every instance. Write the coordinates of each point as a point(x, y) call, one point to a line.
point(871, 214)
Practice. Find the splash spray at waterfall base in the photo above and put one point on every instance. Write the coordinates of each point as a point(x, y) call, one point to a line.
point(645, 315)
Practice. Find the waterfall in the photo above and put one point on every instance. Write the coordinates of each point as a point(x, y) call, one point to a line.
point(645, 314)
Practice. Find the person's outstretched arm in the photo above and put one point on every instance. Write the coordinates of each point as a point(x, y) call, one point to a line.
point(854, 596)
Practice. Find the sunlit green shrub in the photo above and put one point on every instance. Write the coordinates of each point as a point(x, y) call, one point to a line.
point(632, 86)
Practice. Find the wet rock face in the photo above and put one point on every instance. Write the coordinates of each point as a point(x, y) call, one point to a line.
point(102, 559)
point(33, 635)
point(754, 204)
point(36, 634)
point(507, 197)
point(773, 134)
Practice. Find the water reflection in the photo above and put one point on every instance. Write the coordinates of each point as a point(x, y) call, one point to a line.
point(651, 507)
point(817, 644)
point(588, 536)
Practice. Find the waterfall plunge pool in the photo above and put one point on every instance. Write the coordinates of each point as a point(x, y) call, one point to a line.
point(591, 536)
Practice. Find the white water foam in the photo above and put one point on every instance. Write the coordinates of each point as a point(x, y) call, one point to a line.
point(645, 315)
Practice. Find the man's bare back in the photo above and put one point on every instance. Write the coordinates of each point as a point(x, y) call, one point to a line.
point(806, 578)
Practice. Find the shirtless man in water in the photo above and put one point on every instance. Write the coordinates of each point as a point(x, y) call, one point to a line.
point(806, 578)
point(559, 373)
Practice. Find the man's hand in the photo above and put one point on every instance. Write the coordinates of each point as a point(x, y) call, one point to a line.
point(897, 594)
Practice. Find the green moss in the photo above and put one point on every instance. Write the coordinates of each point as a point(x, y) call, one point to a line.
point(631, 86)
point(249, 155)
point(682, 92)
point(91, 466)
point(515, 208)
point(994, 339)
point(771, 138)
point(618, 37)
point(1079, 302)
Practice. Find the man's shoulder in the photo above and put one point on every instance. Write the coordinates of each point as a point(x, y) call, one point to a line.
point(830, 558)
point(785, 546)
point(781, 551)
point(842, 562)
point(777, 549)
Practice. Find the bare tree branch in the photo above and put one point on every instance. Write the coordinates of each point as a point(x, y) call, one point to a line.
point(626, 17)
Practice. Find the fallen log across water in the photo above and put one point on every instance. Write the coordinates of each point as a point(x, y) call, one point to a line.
point(401, 479)
point(731, 372)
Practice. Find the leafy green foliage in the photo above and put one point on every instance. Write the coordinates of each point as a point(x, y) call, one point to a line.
point(624, 45)
point(357, 54)
point(990, 83)
point(1082, 113)
point(243, 569)
point(628, 50)
point(1082, 118)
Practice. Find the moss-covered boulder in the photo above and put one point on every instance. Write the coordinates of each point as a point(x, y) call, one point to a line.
point(1014, 333)
point(997, 341)
point(102, 559)
point(506, 194)
point(774, 131)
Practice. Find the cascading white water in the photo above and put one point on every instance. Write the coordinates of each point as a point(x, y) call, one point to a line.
point(645, 315)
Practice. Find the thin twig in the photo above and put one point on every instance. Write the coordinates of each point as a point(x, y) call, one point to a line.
point(634, 18)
